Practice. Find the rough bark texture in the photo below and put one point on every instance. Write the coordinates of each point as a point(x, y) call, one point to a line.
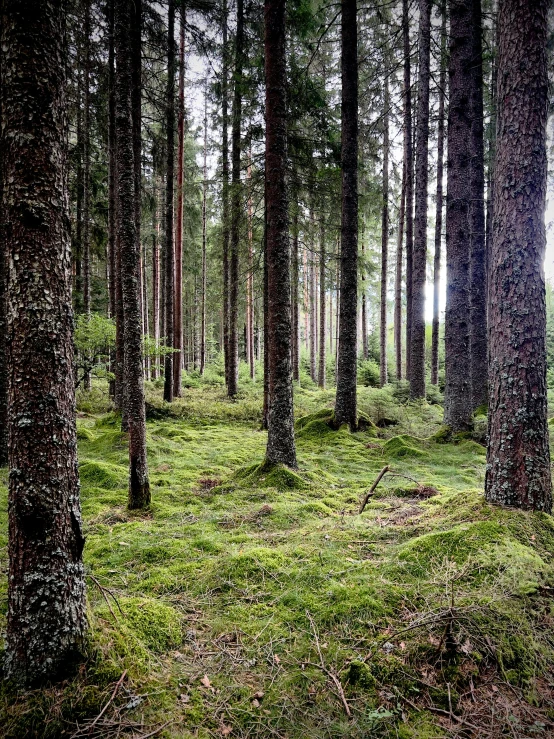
point(232, 385)
point(439, 207)
point(419, 261)
point(322, 303)
point(139, 488)
point(312, 305)
point(250, 278)
point(86, 167)
point(518, 457)
point(46, 586)
point(3, 306)
point(409, 165)
point(225, 189)
point(477, 260)
point(111, 158)
point(457, 394)
point(280, 439)
point(204, 270)
point(295, 298)
point(383, 329)
point(345, 407)
point(178, 307)
point(169, 256)
point(156, 293)
point(398, 278)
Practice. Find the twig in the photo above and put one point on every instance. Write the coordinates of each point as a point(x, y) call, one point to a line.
point(153, 733)
point(438, 711)
point(322, 667)
point(103, 711)
point(103, 591)
point(372, 488)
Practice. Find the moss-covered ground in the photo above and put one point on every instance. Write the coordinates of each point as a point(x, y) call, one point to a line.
point(252, 602)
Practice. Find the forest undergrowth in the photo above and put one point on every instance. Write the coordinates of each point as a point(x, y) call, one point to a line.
point(255, 602)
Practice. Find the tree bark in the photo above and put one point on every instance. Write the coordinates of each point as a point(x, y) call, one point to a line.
point(169, 287)
point(250, 279)
point(409, 165)
point(419, 261)
point(280, 439)
point(322, 303)
point(225, 188)
point(204, 271)
point(112, 200)
point(295, 299)
point(439, 208)
point(477, 254)
point(383, 329)
point(3, 303)
point(518, 456)
point(232, 387)
point(86, 175)
point(178, 307)
point(156, 294)
point(398, 277)
point(312, 307)
point(46, 620)
point(457, 394)
point(345, 407)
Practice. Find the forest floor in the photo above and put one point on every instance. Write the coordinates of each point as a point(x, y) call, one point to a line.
point(259, 603)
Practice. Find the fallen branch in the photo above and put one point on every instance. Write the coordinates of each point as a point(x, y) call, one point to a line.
point(372, 488)
point(324, 669)
point(103, 590)
point(103, 711)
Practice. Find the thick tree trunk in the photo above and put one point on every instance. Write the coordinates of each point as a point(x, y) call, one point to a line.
point(398, 277)
point(280, 438)
point(439, 208)
point(169, 286)
point(419, 261)
point(178, 307)
point(139, 489)
point(518, 456)
point(46, 621)
point(477, 259)
point(457, 394)
point(322, 302)
point(3, 306)
point(204, 266)
point(409, 165)
point(345, 407)
point(232, 386)
point(112, 200)
point(383, 329)
point(225, 189)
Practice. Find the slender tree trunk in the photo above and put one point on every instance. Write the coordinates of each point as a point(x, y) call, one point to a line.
point(295, 298)
point(419, 262)
point(136, 104)
point(409, 165)
point(306, 299)
point(125, 20)
point(265, 411)
point(178, 307)
point(169, 251)
point(46, 620)
point(250, 279)
point(322, 303)
point(204, 271)
point(457, 394)
point(383, 334)
point(312, 298)
point(112, 200)
point(477, 254)
point(225, 189)
point(156, 295)
point(86, 175)
point(518, 456)
point(398, 277)
point(345, 407)
point(280, 438)
point(232, 387)
point(439, 205)
point(365, 347)
point(145, 316)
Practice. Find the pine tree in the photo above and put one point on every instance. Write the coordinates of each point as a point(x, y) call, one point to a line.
point(383, 330)
point(178, 301)
point(46, 585)
point(169, 252)
point(518, 455)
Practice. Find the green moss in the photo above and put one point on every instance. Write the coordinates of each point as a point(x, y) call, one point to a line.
point(85, 434)
point(270, 475)
point(442, 436)
point(403, 446)
point(101, 475)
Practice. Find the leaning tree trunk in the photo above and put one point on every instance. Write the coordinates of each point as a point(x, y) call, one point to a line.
point(518, 456)
point(46, 582)
point(178, 306)
point(345, 407)
point(139, 488)
point(477, 253)
point(439, 206)
point(419, 261)
point(169, 257)
point(457, 394)
point(409, 168)
point(236, 192)
point(280, 437)
point(383, 330)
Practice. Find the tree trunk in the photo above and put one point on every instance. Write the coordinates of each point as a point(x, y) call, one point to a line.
point(409, 165)
point(295, 298)
point(178, 307)
point(345, 407)
point(250, 279)
point(383, 373)
point(169, 286)
point(265, 410)
point(518, 456)
point(322, 303)
point(125, 20)
point(398, 277)
point(457, 394)
point(112, 200)
point(365, 347)
point(225, 189)
point(3, 307)
point(232, 387)
point(419, 260)
point(439, 206)
point(46, 620)
point(477, 261)
point(280, 438)
point(312, 299)
point(204, 273)
point(156, 295)
point(86, 175)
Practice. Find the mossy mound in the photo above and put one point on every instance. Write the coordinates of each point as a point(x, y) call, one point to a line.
point(85, 434)
point(269, 475)
point(403, 446)
point(442, 436)
point(324, 414)
point(101, 475)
